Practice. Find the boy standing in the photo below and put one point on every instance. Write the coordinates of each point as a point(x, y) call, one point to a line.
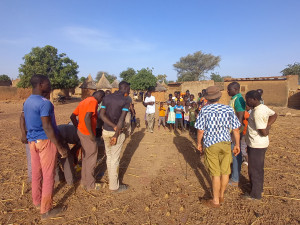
point(86, 130)
point(113, 112)
point(259, 124)
point(150, 111)
point(162, 115)
point(42, 135)
point(238, 104)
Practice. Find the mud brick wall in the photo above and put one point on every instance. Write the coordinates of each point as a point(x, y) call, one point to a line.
point(13, 93)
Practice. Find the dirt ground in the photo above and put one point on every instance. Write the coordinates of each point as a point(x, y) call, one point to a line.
point(166, 176)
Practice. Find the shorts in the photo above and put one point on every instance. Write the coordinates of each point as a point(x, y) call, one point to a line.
point(218, 158)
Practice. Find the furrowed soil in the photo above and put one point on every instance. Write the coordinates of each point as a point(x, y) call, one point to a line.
point(167, 178)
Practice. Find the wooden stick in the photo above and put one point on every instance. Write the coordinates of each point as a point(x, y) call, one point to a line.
point(23, 185)
point(277, 196)
point(6, 200)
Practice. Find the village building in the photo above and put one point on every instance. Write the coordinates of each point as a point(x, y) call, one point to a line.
point(88, 87)
point(159, 92)
point(103, 84)
point(277, 91)
point(115, 86)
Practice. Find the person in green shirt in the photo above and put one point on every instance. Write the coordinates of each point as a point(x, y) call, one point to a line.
point(238, 104)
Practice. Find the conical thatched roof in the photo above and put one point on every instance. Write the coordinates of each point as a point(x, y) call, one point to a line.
point(103, 83)
point(89, 83)
point(89, 78)
point(164, 84)
point(160, 87)
point(115, 84)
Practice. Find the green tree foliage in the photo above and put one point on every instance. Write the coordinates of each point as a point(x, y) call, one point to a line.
point(216, 77)
point(292, 69)
point(61, 70)
point(143, 80)
point(126, 75)
point(161, 78)
point(193, 67)
point(4, 77)
point(82, 79)
point(109, 77)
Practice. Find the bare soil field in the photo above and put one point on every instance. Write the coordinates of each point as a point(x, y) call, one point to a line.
point(166, 176)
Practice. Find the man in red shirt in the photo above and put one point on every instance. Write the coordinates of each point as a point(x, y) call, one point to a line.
point(86, 112)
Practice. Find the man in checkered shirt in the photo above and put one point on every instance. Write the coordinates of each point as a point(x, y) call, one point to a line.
point(214, 123)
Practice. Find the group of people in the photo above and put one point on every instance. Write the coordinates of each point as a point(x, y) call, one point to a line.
point(226, 134)
point(44, 139)
point(180, 110)
point(220, 129)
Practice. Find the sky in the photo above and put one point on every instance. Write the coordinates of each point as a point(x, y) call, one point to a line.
point(254, 38)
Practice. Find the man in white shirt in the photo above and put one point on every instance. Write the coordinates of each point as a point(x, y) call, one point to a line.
point(259, 125)
point(150, 111)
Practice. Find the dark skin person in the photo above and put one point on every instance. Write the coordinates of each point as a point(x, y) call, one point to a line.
point(44, 89)
point(88, 118)
point(232, 91)
point(117, 127)
point(148, 103)
point(254, 103)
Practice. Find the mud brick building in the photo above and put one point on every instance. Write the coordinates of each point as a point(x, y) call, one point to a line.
point(278, 91)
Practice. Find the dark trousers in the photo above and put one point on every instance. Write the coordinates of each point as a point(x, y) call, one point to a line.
point(179, 120)
point(256, 159)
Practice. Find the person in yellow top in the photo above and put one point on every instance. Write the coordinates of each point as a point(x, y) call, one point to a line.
point(162, 115)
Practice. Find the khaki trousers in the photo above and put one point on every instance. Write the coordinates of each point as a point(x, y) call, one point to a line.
point(150, 120)
point(113, 157)
point(89, 160)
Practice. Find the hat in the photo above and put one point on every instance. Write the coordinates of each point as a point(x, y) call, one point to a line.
point(213, 92)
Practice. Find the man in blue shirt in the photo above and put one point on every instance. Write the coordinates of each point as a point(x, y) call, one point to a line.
point(214, 123)
point(42, 136)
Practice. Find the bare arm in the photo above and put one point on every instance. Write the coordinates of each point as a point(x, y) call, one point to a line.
point(74, 120)
point(49, 130)
point(240, 116)
point(106, 119)
point(236, 135)
point(23, 128)
point(88, 124)
point(199, 140)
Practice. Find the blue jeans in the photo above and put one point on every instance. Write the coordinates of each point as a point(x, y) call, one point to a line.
point(236, 165)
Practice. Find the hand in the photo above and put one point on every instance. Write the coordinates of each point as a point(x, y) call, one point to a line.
point(92, 137)
point(24, 139)
point(236, 150)
point(63, 152)
point(115, 128)
point(113, 140)
point(199, 148)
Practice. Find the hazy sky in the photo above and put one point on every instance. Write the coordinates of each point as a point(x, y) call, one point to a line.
point(253, 37)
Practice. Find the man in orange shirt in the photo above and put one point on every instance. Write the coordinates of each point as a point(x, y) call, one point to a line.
point(86, 112)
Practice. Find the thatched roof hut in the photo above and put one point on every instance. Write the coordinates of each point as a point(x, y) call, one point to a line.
point(89, 83)
point(88, 87)
point(115, 84)
point(103, 83)
point(159, 87)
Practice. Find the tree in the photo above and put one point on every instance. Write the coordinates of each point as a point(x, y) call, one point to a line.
point(292, 69)
point(161, 78)
point(61, 70)
point(193, 67)
point(4, 77)
point(82, 79)
point(126, 75)
point(143, 80)
point(216, 77)
point(108, 76)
